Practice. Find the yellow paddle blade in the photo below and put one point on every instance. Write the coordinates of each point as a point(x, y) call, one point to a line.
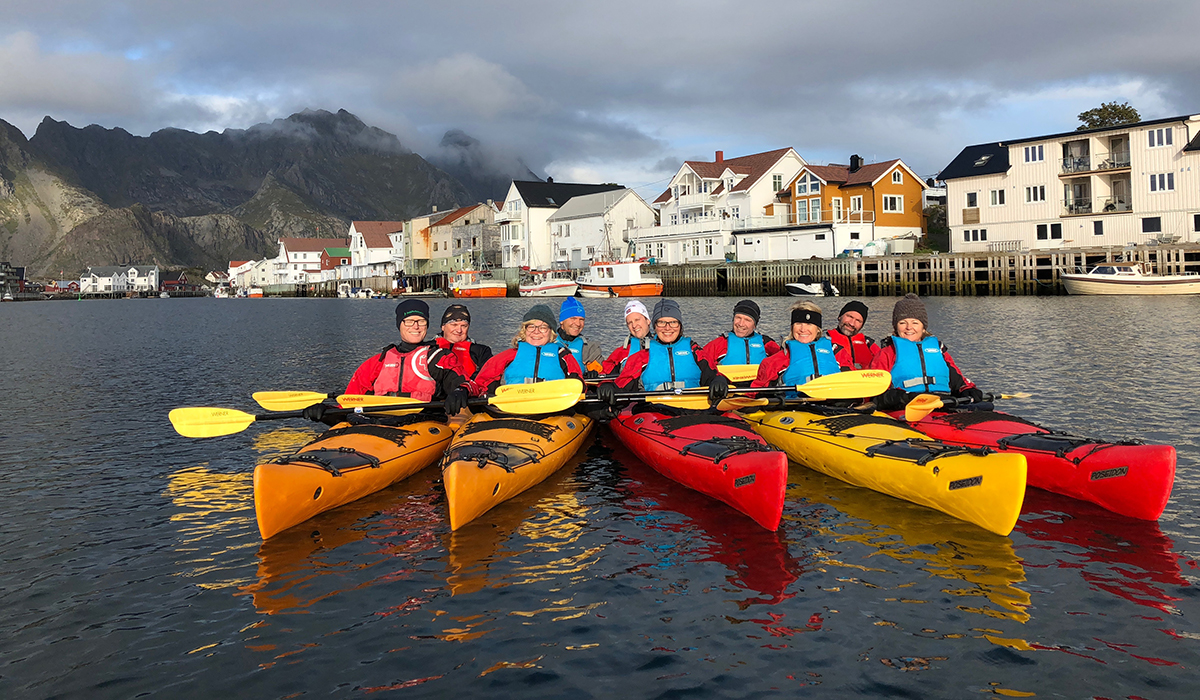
point(739, 373)
point(540, 397)
point(287, 400)
point(209, 422)
point(737, 403)
point(1018, 395)
point(921, 406)
point(693, 401)
point(855, 384)
point(367, 400)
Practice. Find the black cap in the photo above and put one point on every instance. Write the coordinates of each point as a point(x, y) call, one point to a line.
point(748, 308)
point(409, 308)
point(855, 305)
point(455, 312)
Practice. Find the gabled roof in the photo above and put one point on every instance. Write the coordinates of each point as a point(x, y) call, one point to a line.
point(841, 175)
point(375, 233)
point(108, 270)
point(176, 276)
point(753, 166)
point(1194, 144)
point(457, 214)
point(555, 194)
point(588, 205)
point(238, 263)
point(143, 269)
point(665, 196)
point(313, 245)
point(981, 159)
point(338, 252)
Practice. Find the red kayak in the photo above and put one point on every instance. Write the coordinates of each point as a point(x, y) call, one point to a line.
point(717, 454)
point(1129, 477)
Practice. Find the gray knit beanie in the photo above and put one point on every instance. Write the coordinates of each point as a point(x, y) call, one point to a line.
point(910, 306)
point(667, 308)
point(541, 312)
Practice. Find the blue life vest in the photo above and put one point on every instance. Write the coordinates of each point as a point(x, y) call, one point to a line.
point(575, 346)
point(808, 360)
point(632, 347)
point(534, 364)
point(920, 366)
point(671, 366)
point(744, 351)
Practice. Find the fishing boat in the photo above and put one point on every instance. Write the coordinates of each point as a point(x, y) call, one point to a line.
point(808, 287)
point(618, 279)
point(476, 284)
point(548, 283)
point(255, 293)
point(1128, 278)
point(8, 297)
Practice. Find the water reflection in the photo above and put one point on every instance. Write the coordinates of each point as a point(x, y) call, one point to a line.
point(215, 517)
point(980, 564)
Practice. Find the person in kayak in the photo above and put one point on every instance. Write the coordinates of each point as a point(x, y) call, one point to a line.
point(918, 361)
point(455, 337)
point(534, 356)
point(806, 353)
point(672, 361)
point(414, 367)
point(854, 350)
point(572, 318)
point(743, 345)
point(637, 320)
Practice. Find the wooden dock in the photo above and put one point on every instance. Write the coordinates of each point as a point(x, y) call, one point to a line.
point(942, 274)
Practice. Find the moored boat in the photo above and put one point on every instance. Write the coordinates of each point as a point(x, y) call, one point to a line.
point(1128, 278)
point(718, 455)
point(619, 279)
point(1130, 478)
point(548, 283)
point(492, 459)
point(343, 464)
point(255, 293)
point(808, 287)
point(875, 451)
point(476, 284)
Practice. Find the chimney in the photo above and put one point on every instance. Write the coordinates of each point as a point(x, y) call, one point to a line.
point(550, 180)
point(856, 162)
point(720, 156)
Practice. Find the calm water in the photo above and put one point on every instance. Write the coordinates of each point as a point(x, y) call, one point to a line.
point(130, 563)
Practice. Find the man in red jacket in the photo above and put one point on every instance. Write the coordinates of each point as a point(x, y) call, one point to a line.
point(455, 337)
point(852, 349)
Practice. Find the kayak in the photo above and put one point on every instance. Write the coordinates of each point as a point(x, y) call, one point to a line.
point(492, 459)
point(343, 464)
point(717, 454)
point(878, 452)
point(1130, 478)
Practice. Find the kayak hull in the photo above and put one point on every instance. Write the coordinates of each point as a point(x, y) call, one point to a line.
point(1128, 478)
point(877, 452)
point(718, 455)
point(345, 463)
point(493, 459)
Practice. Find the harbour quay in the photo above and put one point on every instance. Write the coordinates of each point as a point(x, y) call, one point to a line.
point(980, 273)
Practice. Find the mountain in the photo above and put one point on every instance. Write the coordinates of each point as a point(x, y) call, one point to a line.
point(485, 173)
point(72, 197)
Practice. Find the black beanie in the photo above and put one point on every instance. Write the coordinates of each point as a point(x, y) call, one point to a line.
point(806, 316)
point(409, 308)
point(855, 305)
point(910, 306)
point(455, 312)
point(748, 308)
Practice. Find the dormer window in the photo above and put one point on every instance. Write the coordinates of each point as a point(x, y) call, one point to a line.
point(897, 178)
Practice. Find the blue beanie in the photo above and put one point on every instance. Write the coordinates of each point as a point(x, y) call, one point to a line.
point(571, 308)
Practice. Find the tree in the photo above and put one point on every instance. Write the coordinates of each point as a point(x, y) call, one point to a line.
point(1108, 114)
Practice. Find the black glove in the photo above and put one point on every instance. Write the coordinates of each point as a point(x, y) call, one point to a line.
point(718, 389)
point(591, 374)
point(316, 412)
point(891, 400)
point(974, 394)
point(607, 392)
point(456, 401)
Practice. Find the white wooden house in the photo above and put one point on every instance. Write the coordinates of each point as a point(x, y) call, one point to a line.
point(524, 229)
point(597, 227)
point(104, 280)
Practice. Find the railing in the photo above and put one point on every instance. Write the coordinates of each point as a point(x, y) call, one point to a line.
point(1100, 161)
point(1116, 159)
point(827, 216)
point(1077, 164)
point(1110, 205)
point(700, 226)
point(1077, 205)
point(1010, 246)
point(693, 200)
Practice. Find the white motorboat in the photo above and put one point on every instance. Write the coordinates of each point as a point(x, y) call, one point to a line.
point(1128, 278)
point(548, 283)
point(808, 287)
point(619, 279)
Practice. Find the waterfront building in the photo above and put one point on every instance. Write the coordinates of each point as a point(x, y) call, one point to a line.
point(334, 261)
point(11, 278)
point(828, 210)
point(466, 239)
point(177, 281)
point(418, 241)
point(143, 278)
point(298, 256)
point(1114, 186)
point(524, 229)
point(372, 253)
point(105, 279)
point(706, 202)
point(217, 277)
point(239, 271)
point(597, 226)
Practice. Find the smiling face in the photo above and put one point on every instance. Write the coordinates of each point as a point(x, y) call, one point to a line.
point(638, 325)
point(572, 326)
point(910, 329)
point(537, 333)
point(668, 329)
point(850, 323)
point(412, 329)
point(805, 332)
point(456, 331)
point(743, 325)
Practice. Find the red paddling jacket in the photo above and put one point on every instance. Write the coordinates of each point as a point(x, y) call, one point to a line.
point(471, 355)
point(420, 370)
point(853, 352)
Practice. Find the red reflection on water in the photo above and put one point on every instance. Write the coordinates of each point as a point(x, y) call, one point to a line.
point(757, 559)
point(1133, 555)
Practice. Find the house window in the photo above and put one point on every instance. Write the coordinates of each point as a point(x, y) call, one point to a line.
point(967, 234)
point(345, 261)
point(435, 246)
point(972, 200)
point(856, 204)
point(801, 210)
point(696, 246)
point(1159, 137)
point(708, 246)
point(802, 186)
point(1152, 224)
point(1162, 182)
point(674, 219)
point(893, 203)
point(1035, 193)
point(820, 237)
point(735, 212)
point(660, 250)
point(1196, 222)
point(591, 250)
point(1098, 228)
point(647, 250)
point(1034, 154)
point(814, 210)
point(474, 241)
point(897, 178)
point(1043, 232)
point(776, 183)
point(997, 198)
point(675, 191)
point(1056, 231)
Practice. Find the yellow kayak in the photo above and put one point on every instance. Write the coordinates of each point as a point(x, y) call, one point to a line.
point(344, 464)
point(493, 459)
point(877, 452)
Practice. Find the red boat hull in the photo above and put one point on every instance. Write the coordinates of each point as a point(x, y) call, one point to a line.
point(718, 455)
point(1127, 478)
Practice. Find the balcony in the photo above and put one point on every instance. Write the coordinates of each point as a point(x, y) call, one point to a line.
point(1077, 206)
point(1113, 205)
point(693, 201)
point(706, 226)
point(1099, 162)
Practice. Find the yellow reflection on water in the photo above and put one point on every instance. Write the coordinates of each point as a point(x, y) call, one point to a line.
point(213, 508)
point(920, 538)
point(281, 440)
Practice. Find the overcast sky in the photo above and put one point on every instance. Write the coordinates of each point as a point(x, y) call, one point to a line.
point(608, 91)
